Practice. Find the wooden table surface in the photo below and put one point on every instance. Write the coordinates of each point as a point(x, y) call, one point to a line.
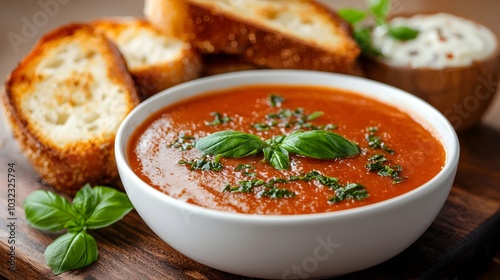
point(462, 243)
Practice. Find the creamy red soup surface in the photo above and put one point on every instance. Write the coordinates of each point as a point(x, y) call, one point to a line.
point(283, 150)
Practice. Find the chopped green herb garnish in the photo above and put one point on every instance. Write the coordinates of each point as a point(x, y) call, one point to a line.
point(264, 126)
point(246, 169)
point(269, 189)
point(242, 166)
point(279, 180)
point(244, 186)
point(285, 114)
point(183, 141)
point(375, 141)
point(331, 182)
point(275, 100)
point(204, 163)
point(293, 119)
point(378, 163)
point(314, 115)
point(353, 191)
point(218, 119)
point(274, 192)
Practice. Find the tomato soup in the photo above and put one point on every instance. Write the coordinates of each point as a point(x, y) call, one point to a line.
point(283, 150)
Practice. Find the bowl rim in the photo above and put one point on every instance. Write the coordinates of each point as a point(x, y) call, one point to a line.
point(122, 140)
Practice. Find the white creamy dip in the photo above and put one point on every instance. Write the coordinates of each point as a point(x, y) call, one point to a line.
point(444, 41)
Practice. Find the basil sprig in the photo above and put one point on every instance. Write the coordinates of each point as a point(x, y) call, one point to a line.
point(72, 250)
point(318, 144)
point(230, 144)
point(379, 10)
point(275, 154)
point(92, 208)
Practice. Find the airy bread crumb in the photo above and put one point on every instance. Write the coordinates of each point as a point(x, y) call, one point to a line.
point(65, 101)
point(155, 60)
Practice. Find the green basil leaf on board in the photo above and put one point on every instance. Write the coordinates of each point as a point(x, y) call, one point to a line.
point(85, 201)
point(320, 144)
point(48, 211)
point(92, 208)
point(71, 251)
point(112, 206)
point(231, 144)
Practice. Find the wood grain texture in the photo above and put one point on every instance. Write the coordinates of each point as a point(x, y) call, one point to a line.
point(461, 241)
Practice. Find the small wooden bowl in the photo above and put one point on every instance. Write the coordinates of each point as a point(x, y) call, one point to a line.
point(462, 94)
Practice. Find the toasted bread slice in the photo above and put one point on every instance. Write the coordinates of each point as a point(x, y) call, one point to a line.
point(155, 60)
point(297, 34)
point(168, 16)
point(214, 64)
point(64, 102)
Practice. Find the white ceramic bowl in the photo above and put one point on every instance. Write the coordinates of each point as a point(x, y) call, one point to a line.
point(296, 246)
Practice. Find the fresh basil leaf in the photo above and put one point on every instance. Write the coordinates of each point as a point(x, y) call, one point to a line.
point(71, 251)
point(364, 40)
point(85, 201)
point(231, 144)
point(48, 211)
point(111, 206)
point(352, 16)
point(403, 33)
point(320, 144)
point(277, 156)
point(76, 225)
point(380, 9)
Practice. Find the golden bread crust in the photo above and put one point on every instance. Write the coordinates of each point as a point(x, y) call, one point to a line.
point(213, 30)
point(214, 64)
point(151, 77)
point(69, 165)
point(166, 15)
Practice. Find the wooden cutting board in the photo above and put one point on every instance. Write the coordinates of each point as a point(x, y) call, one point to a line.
point(460, 242)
